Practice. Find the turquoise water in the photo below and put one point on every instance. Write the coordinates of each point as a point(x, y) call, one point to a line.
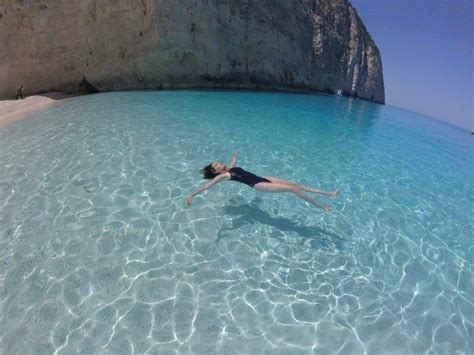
point(100, 254)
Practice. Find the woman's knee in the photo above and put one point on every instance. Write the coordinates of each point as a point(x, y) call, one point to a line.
point(297, 191)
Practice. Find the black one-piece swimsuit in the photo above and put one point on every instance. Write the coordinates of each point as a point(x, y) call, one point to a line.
point(240, 175)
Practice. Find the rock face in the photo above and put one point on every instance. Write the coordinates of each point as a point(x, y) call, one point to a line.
point(81, 46)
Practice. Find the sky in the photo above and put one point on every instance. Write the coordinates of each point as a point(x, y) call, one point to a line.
point(427, 55)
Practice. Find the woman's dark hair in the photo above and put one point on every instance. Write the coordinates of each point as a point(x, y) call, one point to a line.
point(208, 172)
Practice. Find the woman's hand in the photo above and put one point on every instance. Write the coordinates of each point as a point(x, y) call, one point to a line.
point(326, 207)
point(207, 185)
point(233, 160)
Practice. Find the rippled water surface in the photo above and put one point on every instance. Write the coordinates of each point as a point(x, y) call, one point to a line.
point(100, 254)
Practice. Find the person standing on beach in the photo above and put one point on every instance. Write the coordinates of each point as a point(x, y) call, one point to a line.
point(19, 93)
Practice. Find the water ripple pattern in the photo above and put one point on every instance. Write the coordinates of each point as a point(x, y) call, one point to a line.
point(100, 254)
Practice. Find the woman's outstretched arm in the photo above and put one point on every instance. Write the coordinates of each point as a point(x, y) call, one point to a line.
point(233, 160)
point(206, 186)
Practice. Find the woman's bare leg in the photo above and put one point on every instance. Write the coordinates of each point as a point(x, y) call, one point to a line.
point(274, 179)
point(283, 187)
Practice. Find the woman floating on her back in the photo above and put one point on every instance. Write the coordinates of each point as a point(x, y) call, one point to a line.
point(217, 172)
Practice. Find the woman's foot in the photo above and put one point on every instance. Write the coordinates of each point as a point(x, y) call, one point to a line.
point(332, 193)
point(325, 207)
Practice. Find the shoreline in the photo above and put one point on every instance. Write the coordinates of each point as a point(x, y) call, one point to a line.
point(13, 110)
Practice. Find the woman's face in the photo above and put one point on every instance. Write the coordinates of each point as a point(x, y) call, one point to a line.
point(218, 166)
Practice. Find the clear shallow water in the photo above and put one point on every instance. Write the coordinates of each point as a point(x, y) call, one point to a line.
point(99, 253)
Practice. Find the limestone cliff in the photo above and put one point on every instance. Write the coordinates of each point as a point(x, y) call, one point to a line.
point(79, 45)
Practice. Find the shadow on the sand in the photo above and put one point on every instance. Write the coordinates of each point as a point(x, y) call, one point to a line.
point(251, 213)
point(55, 95)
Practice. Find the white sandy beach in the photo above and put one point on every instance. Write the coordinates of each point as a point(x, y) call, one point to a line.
point(11, 110)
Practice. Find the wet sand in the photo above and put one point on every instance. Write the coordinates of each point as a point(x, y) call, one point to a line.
point(12, 110)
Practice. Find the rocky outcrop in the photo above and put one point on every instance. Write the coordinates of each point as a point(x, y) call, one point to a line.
point(319, 45)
